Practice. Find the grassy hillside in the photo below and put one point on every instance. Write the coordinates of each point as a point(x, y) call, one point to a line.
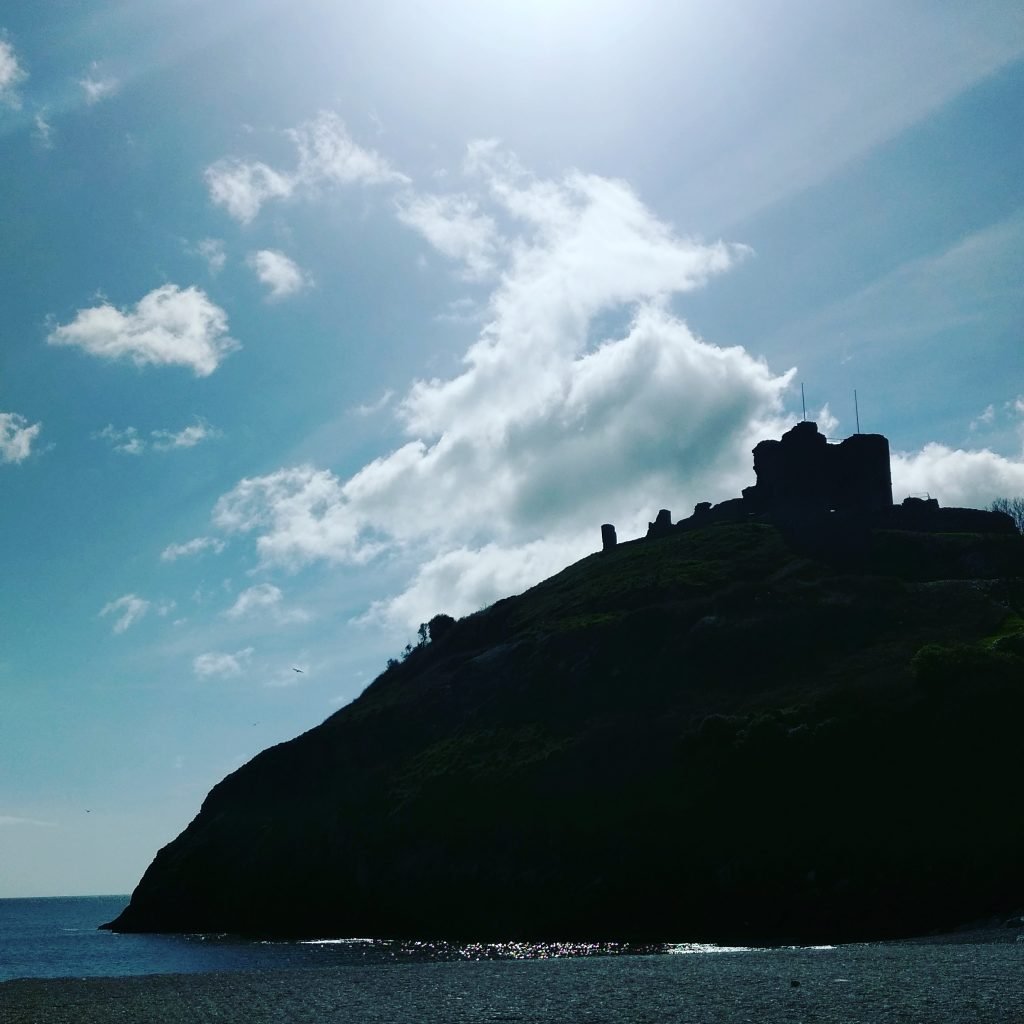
point(714, 734)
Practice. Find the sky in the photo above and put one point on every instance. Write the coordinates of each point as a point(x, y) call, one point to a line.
point(318, 319)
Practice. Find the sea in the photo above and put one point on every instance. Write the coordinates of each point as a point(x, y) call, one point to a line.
point(60, 937)
point(354, 980)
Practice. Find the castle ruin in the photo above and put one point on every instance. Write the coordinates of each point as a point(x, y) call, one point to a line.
point(803, 474)
point(806, 482)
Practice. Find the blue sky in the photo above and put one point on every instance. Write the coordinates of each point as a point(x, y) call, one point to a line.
point(319, 318)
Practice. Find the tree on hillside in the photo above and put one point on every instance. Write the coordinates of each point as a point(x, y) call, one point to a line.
point(1013, 507)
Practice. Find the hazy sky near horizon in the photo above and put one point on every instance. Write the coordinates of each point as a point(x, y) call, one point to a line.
point(321, 318)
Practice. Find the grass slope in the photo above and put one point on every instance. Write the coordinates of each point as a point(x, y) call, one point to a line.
point(715, 734)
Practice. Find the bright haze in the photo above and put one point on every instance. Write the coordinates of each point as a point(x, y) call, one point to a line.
point(319, 319)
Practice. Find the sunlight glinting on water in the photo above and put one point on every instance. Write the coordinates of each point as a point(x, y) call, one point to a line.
point(442, 950)
point(710, 947)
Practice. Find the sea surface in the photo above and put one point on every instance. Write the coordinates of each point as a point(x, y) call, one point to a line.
point(59, 937)
point(55, 965)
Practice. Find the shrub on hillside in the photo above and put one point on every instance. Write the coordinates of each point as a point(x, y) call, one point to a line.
point(941, 667)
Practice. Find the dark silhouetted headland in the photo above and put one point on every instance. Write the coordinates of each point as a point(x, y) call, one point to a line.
point(793, 716)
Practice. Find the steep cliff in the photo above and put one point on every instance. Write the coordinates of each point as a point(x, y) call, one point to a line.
point(706, 735)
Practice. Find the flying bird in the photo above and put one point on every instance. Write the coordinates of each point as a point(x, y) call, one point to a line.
point(299, 670)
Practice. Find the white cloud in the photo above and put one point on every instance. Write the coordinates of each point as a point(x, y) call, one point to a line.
point(456, 228)
point(216, 663)
point(212, 250)
point(998, 425)
point(371, 408)
point(461, 311)
point(129, 609)
point(188, 437)
point(128, 441)
point(242, 188)
point(11, 74)
point(583, 400)
point(16, 437)
point(326, 155)
point(282, 276)
point(827, 422)
point(170, 326)
point(984, 419)
point(462, 580)
point(43, 131)
point(265, 599)
point(261, 596)
point(957, 477)
point(302, 515)
point(196, 546)
point(97, 86)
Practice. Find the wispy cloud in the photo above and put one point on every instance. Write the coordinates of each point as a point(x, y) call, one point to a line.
point(12, 74)
point(218, 663)
point(975, 277)
point(188, 437)
point(127, 610)
point(43, 130)
point(212, 250)
point(983, 419)
point(456, 228)
point(129, 441)
point(96, 85)
point(461, 311)
point(11, 819)
point(281, 275)
point(126, 440)
point(267, 600)
point(170, 326)
point(371, 408)
point(17, 436)
point(191, 548)
point(326, 156)
point(999, 426)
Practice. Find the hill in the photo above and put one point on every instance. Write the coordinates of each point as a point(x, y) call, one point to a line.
point(711, 734)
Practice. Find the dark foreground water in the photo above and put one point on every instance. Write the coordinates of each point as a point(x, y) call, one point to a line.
point(55, 967)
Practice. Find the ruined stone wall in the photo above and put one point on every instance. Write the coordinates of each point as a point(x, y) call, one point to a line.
point(860, 474)
point(835, 490)
point(802, 474)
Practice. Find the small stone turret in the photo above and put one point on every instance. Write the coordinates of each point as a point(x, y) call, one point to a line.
point(661, 525)
point(608, 538)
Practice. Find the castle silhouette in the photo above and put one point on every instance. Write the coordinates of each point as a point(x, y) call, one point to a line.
point(811, 486)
